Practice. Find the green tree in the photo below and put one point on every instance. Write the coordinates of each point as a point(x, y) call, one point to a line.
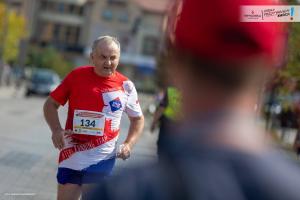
point(49, 58)
point(13, 30)
point(292, 69)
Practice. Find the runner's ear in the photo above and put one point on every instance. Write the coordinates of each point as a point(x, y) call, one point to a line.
point(91, 58)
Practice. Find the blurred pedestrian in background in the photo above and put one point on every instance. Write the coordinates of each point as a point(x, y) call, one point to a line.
point(220, 151)
point(272, 105)
point(296, 109)
point(6, 75)
point(166, 116)
point(289, 98)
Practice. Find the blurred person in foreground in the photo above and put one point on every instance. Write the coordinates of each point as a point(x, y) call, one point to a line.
point(98, 95)
point(220, 151)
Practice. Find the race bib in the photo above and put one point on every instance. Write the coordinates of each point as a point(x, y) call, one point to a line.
point(88, 122)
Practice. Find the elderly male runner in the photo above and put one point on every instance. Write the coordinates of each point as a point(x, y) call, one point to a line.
point(97, 96)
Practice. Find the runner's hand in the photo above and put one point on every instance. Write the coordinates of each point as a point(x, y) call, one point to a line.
point(124, 151)
point(58, 138)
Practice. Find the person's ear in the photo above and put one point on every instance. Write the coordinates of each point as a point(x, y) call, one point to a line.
point(91, 59)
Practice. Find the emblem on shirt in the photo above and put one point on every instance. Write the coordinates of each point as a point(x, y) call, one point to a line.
point(115, 104)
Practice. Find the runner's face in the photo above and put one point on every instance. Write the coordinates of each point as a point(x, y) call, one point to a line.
point(106, 58)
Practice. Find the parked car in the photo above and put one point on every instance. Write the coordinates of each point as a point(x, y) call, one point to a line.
point(42, 82)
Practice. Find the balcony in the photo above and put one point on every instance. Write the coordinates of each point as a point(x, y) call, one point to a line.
point(75, 48)
point(74, 2)
point(67, 19)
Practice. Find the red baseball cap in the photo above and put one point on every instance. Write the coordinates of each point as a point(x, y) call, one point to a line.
point(212, 29)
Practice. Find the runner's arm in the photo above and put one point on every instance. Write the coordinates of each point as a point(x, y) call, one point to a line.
point(51, 114)
point(51, 117)
point(135, 130)
point(157, 115)
point(159, 111)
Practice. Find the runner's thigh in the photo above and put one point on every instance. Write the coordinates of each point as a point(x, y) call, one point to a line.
point(68, 191)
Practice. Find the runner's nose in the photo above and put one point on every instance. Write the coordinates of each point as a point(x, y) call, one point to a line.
point(108, 62)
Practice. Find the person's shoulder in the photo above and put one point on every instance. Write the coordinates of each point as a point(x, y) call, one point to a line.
point(79, 71)
point(82, 69)
point(121, 77)
point(126, 83)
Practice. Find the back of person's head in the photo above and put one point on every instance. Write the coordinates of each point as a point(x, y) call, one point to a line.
point(215, 47)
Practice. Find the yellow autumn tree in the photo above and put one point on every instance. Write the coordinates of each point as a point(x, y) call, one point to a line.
point(12, 31)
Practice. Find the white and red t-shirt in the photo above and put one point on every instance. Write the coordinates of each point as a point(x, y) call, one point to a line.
point(96, 105)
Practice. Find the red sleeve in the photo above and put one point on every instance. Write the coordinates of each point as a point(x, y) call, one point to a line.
point(62, 92)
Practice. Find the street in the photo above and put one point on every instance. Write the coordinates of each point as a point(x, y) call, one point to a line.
point(28, 161)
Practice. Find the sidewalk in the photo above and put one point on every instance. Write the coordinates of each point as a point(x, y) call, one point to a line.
point(7, 92)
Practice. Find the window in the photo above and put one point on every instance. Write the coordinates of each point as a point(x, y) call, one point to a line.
point(72, 35)
point(62, 34)
point(150, 45)
point(43, 5)
point(68, 34)
point(50, 6)
point(77, 34)
point(81, 10)
point(107, 15)
point(46, 31)
point(123, 17)
point(56, 31)
point(71, 9)
point(118, 2)
point(61, 7)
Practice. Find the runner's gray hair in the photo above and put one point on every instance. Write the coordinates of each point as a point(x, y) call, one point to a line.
point(105, 38)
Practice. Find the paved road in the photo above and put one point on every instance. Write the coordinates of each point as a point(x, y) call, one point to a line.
point(28, 161)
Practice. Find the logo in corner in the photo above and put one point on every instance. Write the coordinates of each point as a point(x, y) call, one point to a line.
point(115, 104)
